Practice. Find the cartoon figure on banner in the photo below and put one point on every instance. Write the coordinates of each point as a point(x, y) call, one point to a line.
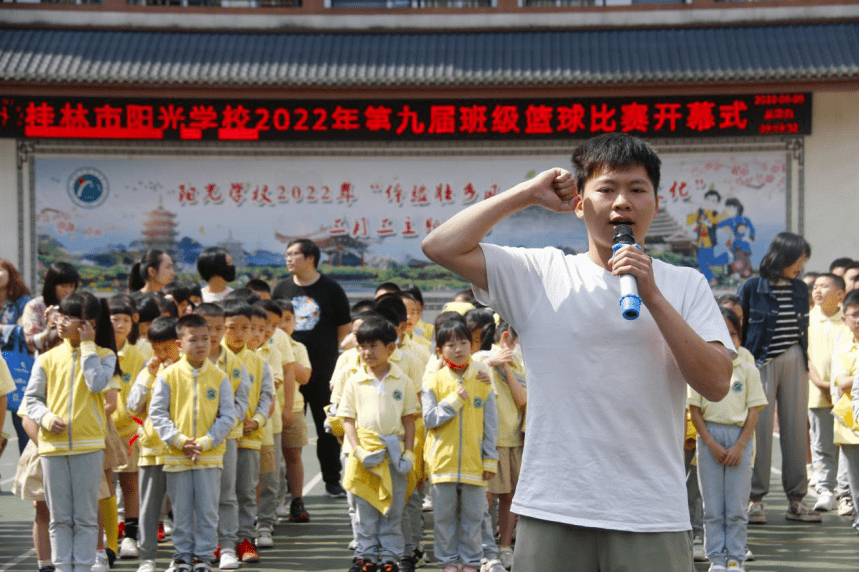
point(705, 220)
point(743, 231)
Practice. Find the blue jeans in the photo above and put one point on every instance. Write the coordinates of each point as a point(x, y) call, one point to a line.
point(725, 491)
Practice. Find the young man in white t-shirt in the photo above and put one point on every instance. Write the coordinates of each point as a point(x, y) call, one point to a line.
point(602, 483)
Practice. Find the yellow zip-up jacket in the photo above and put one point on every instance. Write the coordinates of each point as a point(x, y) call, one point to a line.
point(69, 383)
point(460, 443)
point(190, 403)
point(260, 395)
point(152, 448)
point(131, 361)
point(229, 363)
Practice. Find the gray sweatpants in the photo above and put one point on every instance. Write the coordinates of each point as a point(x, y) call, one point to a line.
point(413, 522)
point(228, 506)
point(71, 491)
point(458, 517)
point(153, 487)
point(851, 463)
point(247, 477)
point(269, 487)
point(785, 382)
point(194, 497)
point(824, 452)
point(380, 536)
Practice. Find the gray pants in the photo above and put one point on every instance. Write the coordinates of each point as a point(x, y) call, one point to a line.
point(153, 487)
point(194, 497)
point(380, 536)
point(544, 545)
point(269, 486)
point(851, 463)
point(785, 382)
point(413, 522)
point(693, 493)
point(228, 506)
point(71, 491)
point(458, 518)
point(824, 452)
point(247, 477)
point(842, 488)
point(487, 532)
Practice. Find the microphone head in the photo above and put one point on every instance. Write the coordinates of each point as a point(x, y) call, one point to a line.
point(623, 235)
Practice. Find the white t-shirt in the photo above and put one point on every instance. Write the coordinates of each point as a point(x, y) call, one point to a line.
point(606, 401)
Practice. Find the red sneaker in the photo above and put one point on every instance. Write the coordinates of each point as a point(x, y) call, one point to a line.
point(161, 536)
point(217, 555)
point(246, 551)
point(121, 527)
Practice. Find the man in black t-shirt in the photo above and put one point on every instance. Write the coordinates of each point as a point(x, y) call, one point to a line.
point(321, 322)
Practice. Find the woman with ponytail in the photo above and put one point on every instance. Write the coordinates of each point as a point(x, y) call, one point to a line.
point(152, 272)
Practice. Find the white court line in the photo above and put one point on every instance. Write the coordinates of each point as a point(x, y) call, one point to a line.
point(307, 488)
point(18, 560)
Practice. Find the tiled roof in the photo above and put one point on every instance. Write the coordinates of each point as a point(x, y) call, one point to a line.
point(728, 54)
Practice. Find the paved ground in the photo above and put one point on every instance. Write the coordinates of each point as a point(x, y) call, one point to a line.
point(320, 545)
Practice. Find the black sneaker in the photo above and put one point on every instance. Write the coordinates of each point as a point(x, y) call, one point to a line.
point(47, 569)
point(408, 564)
point(419, 557)
point(389, 567)
point(297, 512)
point(360, 565)
point(335, 491)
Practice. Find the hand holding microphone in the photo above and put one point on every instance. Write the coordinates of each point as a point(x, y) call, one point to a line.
point(630, 301)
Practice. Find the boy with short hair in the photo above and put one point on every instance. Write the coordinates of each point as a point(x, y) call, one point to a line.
point(378, 408)
point(844, 369)
point(294, 434)
point(237, 321)
point(268, 487)
point(825, 328)
point(153, 483)
point(228, 362)
point(192, 411)
point(565, 309)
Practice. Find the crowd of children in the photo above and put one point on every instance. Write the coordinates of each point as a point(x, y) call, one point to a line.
point(174, 411)
point(192, 408)
point(721, 501)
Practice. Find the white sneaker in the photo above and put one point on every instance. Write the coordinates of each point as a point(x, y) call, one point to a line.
point(826, 501)
point(128, 548)
point(734, 566)
point(427, 504)
point(717, 568)
point(797, 510)
point(282, 511)
point(698, 552)
point(506, 557)
point(229, 561)
point(264, 539)
point(146, 566)
point(493, 565)
point(168, 526)
point(845, 506)
point(101, 564)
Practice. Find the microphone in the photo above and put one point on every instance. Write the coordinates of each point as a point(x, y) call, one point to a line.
point(630, 302)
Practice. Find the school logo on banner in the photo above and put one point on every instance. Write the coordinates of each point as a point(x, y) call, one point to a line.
point(88, 188)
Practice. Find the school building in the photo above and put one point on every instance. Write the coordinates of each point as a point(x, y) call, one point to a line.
point(363, 123)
